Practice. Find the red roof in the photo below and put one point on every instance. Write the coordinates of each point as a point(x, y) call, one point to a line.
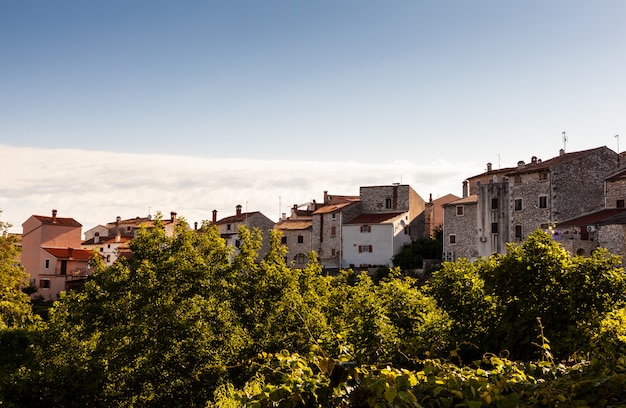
point(375, 218)
point(68, 222)
point(237, 217)
point(76, 254)
point(606, 216)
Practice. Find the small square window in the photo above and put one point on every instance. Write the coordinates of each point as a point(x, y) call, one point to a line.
point(619, 204)
point(366, 228)
point(494, 227)
point(543, 202)
point(283, 240)
point(228, 227)
point(518, 204)
point(365, 248)
point(47, 264)
point(332, 252)
point(333, 231)
point(518, 231)
point(44, 283)
point(300, 239)
point(388, 203)
point(460, 210)
point(452, 239)
point(494, 203)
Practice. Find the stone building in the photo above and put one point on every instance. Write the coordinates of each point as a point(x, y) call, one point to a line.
point(229, 227)
point(460, 231)
point(297, 234)
point(511, 203)
point(326, 228)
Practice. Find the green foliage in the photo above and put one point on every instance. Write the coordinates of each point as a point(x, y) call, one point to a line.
point(15, 307)
point(496, 301)
point(411, 256)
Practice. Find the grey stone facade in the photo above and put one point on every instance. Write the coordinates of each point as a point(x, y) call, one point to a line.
point(514, 202)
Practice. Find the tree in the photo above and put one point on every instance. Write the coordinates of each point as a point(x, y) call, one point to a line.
point(15, 307)
point(148, 332)
point(411, 256)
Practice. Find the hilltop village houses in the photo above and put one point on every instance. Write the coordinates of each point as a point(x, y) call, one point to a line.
point(579, 197)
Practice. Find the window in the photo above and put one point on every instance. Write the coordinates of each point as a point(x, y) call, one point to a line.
point(128, 229)
point(44, 283)
point(494, 203)
point(494, 227)
point(108, 258)
point(460, 210)
point(365, 248)
point(518, 179)
point(388, 203)
point(300, 258)
point(101, 249)
point(332, 252)
point(333, 231)
point(518, 204)
point(47, 264)
point(407, 230)
point(543, 175)
point(283, 240)
point(452, 239)
point(237, 243)
point(518, 231)
point(366, 228)
point(108, 246)
point(333, 216)
point(64, 267)
point(619, 204)
point(543, 201)
point(300, 239)
point(228, 227)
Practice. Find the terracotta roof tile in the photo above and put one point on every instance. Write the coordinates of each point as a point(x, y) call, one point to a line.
point(294, 224)
point(68, 222)
point(77, 254)
point(604, 217)
point(236, 218)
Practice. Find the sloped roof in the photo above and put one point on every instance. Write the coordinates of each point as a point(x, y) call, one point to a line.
point(471, 199)
point(547, 164)
point(67, 222)
point(605, 216)
point(617, 176)
point(374, 218)
point(77, 254)
point(294, 224)
point(331, 208)
point(237, 217)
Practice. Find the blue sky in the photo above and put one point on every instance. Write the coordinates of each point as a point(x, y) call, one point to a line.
point(437, 88)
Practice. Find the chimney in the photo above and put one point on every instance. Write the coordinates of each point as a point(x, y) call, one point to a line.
point(533, 160)
point(561, 152)
point(465, 189)
point(488, 167)
point(96, 238)
point(214, 220)
point(326, 201)
point(173, 216)
point(195, 226)
point(521, 164)
point(54, 216)
point(118, 236)
point(430, 198)
point(238, 209)
point(117, 220)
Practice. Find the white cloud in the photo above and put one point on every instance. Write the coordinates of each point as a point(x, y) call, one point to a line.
point(94, 187)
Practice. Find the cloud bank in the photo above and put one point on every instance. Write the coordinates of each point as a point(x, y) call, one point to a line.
point(94, 187)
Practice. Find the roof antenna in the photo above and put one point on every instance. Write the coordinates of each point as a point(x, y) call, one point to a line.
point(564, 141)
point(617, 137)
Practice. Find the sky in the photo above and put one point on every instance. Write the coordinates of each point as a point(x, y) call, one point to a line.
point(125, 108)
